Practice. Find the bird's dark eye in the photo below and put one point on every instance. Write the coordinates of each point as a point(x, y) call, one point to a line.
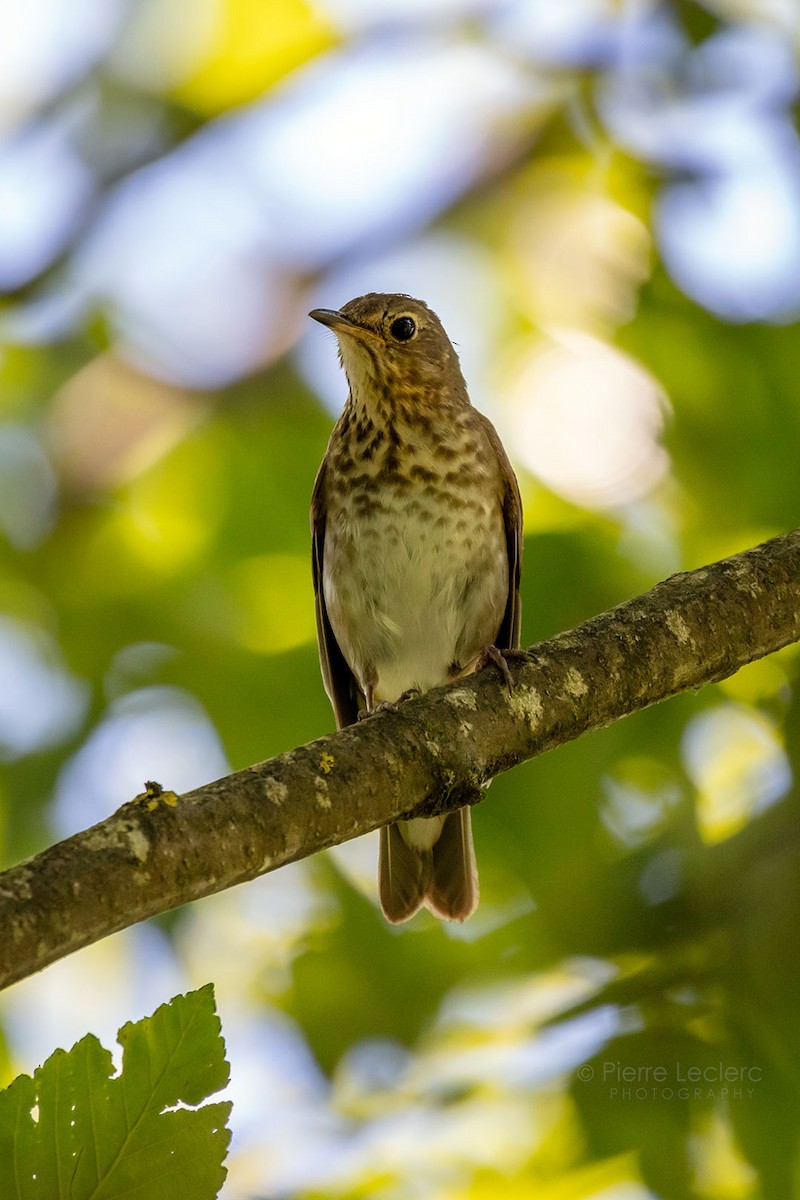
point(403, 329)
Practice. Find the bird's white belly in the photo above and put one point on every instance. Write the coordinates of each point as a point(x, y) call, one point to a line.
point(413, 591)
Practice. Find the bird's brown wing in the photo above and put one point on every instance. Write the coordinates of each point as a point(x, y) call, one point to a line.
point(339, 681)
point(508, 633)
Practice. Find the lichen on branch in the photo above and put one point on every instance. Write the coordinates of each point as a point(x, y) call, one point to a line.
point(432, 753)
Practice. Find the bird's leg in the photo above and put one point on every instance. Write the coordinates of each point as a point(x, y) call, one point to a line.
point(500, 659)
point(387, 705)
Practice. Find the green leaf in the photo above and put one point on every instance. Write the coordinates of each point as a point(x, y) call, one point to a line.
point(97, 1135)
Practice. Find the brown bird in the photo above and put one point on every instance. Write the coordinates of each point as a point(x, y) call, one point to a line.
point(417, 535)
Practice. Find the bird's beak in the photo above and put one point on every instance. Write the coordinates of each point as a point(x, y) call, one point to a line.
point(331, 317)
point(339, 322)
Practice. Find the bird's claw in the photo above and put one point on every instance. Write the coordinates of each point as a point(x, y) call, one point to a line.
point(388, 705)
point(490, 655)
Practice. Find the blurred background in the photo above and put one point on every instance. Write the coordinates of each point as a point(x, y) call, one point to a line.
point(602, 201)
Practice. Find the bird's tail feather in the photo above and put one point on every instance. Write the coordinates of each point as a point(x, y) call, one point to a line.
point(444, 878)
point(452, 891)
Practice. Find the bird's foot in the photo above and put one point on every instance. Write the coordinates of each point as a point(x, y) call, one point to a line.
point(490, 655)
point(388, 705)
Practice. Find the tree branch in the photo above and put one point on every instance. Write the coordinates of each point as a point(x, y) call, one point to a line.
point(432, 754)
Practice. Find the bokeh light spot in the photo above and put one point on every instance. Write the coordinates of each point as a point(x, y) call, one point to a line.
point(275, 602)
point(586, 420)
point(27, 487)
point(735, 759)
point(41, 704)
point(158, 733)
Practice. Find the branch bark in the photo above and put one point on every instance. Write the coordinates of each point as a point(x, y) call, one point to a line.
point(433, 753)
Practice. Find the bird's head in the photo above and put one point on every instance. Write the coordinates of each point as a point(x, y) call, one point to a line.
point(394, 348)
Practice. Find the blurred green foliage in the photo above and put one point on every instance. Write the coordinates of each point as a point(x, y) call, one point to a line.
point(93, 1135)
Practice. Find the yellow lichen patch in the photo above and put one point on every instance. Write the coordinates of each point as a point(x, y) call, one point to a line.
point(150, 796)
point(326, 762)
point(154, 794)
